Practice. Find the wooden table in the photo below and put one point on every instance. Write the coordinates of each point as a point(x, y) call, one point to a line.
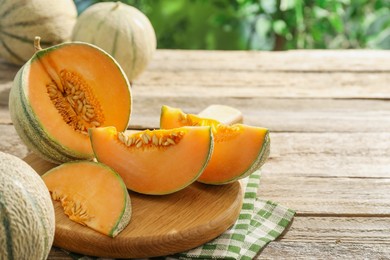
point(329, 116)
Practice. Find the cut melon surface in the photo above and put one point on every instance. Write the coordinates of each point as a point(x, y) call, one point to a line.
point(239, 149)
point(61, 92)
point(91, 194)
point(154, 161)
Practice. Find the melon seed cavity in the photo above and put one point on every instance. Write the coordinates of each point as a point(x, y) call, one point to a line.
point(226, 132)
point(221, 132)
point(76, 102)
point(74, 209)
point(151, 139)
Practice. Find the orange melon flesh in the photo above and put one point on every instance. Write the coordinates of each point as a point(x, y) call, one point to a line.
point(239, 149)
point(155, 169)
point(96, 189)
point(234, 156)
point(98, 71)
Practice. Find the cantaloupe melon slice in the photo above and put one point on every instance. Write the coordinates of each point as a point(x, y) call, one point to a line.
point(239, 149)
point(154, 161)
point(91, 194)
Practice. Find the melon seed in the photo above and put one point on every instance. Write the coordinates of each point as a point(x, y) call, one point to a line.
point(145, 138)
point(169, 140)
point(154, 140)
point(95, 123)
point(121, 137)
point(129, 141)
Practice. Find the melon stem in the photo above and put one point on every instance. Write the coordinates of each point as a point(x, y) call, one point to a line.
point(116, 6)
point(37, 43)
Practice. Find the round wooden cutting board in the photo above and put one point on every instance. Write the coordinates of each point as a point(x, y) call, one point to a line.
point(160, 225)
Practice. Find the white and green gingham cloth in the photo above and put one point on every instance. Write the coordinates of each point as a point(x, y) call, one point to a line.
point(259, 223)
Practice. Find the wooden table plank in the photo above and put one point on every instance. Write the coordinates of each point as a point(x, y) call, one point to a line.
point(339, 229)
point(328, 196)
point(326, 250)
point(10, 142)
point(321, 61)
point(242, 84)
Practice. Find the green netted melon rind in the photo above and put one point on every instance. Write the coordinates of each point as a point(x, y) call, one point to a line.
point(121, 30)
point(26, 211)
point(22, 20)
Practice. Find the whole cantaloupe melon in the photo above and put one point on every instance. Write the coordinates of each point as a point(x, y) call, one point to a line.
point(121, 30)
point(22, 20)
point(26, 211)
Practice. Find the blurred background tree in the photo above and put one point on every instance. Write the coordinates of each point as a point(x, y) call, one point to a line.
point(267, 24)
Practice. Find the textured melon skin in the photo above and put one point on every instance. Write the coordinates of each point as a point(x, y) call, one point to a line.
point(121, 30)
point(27, 125)
point(26, 211)
point(22, 20)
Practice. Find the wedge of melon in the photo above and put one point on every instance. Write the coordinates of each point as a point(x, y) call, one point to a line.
point(239, 149)
point(154, 161)
point(91, 194)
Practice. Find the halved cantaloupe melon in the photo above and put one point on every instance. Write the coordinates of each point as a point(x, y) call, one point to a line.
point(61, 92)
point(154, 161)
point(239, 149)
point(91, 194)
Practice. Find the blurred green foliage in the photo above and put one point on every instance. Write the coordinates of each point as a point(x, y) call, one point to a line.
point(267, 24)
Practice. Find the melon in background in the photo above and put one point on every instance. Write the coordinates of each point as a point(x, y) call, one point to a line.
point(26, 211)
point(121, 30)
point(22, 20)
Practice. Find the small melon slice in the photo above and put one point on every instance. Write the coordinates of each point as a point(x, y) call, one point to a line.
point(239, 149)
point(91, 194)
point(154, 161)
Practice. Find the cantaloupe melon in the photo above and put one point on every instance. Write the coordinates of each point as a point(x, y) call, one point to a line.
point(61, 92)
point(239, 149)
point(154, 161)
point(121, 30)
point(91, 194)
point(22, 20)
point(26, 211)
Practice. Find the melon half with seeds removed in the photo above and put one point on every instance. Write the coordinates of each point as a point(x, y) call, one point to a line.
point(91, 194)
point(154, 161)
point(61, 92)
point(239, 149)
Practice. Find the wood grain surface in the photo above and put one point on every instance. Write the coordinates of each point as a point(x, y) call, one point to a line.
point(329, 117)
point(160, 225)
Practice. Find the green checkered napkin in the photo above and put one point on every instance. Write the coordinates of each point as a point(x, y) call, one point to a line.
point(259, 223)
